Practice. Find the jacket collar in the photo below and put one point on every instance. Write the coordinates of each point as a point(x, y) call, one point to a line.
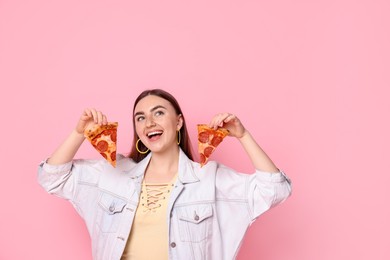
point(185, 168)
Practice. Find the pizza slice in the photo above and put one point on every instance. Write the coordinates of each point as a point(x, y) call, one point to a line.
point(103, 139)
point(208, 140)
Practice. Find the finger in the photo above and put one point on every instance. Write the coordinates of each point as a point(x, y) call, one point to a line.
point(214, 121)
point(94, 115)
point(217, 120)
point(230, 117)
point(222, 119)
point(104, 120)
point(87, 112)
point(86, 115)
point(99, 117)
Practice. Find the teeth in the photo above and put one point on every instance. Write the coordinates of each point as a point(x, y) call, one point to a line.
point(154, 133)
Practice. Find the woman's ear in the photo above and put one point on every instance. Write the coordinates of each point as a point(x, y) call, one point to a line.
point(179, 122)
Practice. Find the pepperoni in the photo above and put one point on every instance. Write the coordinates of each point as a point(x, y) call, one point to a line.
point(113, 136)
point(216, 140)
point(104, 155)
point(102, 146)
point(113, 156)
point(202, 158)
point(203, 137)
point(107, 132)
point(208, 151)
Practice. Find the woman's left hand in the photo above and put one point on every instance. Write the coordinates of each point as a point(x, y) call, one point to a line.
point(230, 122)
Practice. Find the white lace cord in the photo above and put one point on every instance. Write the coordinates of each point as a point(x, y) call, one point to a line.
point(154, 194)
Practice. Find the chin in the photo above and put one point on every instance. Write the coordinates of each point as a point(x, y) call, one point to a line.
point(163, 149)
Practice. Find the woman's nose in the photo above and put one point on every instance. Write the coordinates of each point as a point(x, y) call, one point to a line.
point(150, 122)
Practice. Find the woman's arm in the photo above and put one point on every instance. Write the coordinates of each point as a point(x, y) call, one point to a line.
point(259, 158)
point(68, 149)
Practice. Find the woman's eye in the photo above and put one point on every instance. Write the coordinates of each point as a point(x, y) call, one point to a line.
point(140, 118)
point(159, 113)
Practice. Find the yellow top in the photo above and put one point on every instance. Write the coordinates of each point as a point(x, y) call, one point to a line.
point(149, 233)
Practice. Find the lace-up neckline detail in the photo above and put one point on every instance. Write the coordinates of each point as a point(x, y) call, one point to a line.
point(155, 195)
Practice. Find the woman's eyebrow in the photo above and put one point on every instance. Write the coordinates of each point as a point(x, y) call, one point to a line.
point(157, 107)
point(138, 113)
point(151, 110)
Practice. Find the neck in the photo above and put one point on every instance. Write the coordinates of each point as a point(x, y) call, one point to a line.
point(165, 163)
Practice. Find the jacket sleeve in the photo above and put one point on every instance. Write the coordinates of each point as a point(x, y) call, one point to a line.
point(62, 180)
point(266, 190)
point(260, 191)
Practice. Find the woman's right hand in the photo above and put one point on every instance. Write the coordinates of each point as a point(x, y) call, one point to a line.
point(68, 149)
point(90, 117)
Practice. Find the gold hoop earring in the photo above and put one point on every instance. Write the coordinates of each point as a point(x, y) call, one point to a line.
point(178, 137)
point(136, 147)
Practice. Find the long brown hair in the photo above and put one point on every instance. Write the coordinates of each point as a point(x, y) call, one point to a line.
point(185, 143)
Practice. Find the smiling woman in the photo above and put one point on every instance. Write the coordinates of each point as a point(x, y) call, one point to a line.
point(158, 203)
point(165, 103)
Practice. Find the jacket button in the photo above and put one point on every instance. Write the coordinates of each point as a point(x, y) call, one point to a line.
point(196, 217)
point(173, 244)
point(111, 208)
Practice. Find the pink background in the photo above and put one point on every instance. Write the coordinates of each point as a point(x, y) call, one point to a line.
point(309, 79)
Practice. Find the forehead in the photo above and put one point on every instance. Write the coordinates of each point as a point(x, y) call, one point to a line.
point(151, 101)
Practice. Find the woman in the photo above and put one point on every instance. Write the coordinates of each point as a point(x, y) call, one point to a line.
point(159, 203)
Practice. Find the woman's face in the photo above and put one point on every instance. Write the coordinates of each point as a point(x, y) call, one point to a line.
point(156, 123)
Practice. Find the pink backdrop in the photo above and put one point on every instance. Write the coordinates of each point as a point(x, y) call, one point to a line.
point(309, 79)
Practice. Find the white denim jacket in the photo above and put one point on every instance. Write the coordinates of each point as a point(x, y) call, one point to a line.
point(209, 210)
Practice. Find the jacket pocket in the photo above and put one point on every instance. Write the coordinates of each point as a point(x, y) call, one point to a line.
point(195, 222)
point(110, 212)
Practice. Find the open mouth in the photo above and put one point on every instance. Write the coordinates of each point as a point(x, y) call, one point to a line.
point(154, 135)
